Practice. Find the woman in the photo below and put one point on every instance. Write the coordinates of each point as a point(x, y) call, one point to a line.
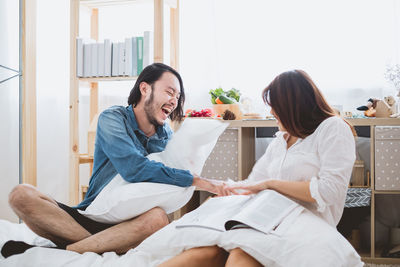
point(310, 161)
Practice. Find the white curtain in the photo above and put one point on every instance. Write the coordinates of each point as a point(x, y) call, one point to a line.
point(343, 45)
point(53, 98)
point(9, 104)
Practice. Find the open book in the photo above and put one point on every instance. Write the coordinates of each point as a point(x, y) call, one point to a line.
point(263, 212)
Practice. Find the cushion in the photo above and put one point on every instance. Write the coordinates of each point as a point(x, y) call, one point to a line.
point(191, 145)
point(188, 149)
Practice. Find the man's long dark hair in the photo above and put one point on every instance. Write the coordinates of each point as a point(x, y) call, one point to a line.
point(298, 103)
point(150, 75)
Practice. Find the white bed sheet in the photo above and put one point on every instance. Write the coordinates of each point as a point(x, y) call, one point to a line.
point(308, 242)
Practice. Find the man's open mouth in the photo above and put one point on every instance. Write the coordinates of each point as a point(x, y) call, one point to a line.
point(166, 110)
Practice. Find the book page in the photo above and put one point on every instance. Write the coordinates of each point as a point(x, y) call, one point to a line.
point(264, 211)
point(213, 213)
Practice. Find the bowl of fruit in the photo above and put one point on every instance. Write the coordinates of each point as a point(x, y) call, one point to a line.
point(204, 113)
point(226, 103)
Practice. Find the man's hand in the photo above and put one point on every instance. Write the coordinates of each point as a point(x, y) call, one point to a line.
point(213, 186)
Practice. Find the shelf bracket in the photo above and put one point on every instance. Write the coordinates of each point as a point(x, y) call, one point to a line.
point(7, 68)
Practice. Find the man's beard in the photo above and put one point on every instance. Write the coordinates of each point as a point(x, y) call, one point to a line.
point(149, 110)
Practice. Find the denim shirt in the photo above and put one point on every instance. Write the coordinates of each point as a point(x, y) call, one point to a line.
point(121, 147)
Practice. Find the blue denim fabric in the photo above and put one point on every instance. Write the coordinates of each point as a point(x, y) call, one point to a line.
point(121, 147)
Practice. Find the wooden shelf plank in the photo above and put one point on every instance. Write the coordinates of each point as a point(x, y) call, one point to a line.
point(85, 158)
point(100, 3)
point(354, 122)
point(84, 188)
point(107, 79)
point(378, 260)
point(387, 192)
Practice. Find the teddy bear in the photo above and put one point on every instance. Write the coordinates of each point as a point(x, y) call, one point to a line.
point(392, 104)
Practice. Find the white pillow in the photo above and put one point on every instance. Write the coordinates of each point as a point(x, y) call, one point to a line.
point(191, 145)
point(188, 149)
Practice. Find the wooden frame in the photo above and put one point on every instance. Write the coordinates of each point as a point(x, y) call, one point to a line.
point(158, 30)
point(74, 108)
point(28, 93)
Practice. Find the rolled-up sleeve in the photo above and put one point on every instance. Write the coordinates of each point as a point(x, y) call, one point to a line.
point(336, 150)
point(120, 148)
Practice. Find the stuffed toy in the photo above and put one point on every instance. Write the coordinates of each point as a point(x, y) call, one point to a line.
point(369, 108)
point(370, 104)
point(380, 108)
point(392, 104)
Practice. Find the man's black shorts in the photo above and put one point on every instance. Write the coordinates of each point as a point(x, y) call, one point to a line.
point(91, 226)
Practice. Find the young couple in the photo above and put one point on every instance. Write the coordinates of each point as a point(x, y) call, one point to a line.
point(310, 160)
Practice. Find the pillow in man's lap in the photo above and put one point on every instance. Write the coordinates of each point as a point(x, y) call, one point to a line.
point(188, 149)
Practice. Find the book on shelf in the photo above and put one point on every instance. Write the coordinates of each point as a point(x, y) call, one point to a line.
point(107, 57)
point(121, 61)
point(115, 59)
point(94, 62)
point(134, 57)
point(100, 56)
point(128, 57)
point(263, 212)
point(139, 51)
point(148, 48)
point(86, 60)
point(79, 57)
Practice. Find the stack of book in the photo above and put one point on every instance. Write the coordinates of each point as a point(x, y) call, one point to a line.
point(111, 59)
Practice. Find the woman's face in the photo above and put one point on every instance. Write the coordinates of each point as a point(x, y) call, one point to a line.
point(280, 126)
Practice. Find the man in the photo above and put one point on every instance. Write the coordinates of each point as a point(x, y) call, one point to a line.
point(125, 135)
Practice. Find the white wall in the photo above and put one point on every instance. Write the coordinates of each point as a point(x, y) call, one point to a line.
point(343, 45)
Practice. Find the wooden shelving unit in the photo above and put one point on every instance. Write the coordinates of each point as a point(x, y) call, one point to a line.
point(107, 79)
point(76, 157)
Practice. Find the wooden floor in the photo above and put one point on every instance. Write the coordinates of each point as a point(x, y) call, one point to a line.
point(381, 265)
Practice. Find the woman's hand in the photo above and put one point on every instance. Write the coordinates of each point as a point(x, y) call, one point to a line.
point(251, 189)
point(213, 186)
point(297, 189)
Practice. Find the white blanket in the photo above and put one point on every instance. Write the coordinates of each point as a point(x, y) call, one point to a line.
point(309, 241)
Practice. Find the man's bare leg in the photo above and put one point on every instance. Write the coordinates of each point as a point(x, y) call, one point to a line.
point(198, 257)
point(44, 217)
point(124, 236)
point(47, 219)
point(239, 258)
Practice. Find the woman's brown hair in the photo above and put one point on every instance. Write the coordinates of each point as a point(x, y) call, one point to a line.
point(298, 103)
